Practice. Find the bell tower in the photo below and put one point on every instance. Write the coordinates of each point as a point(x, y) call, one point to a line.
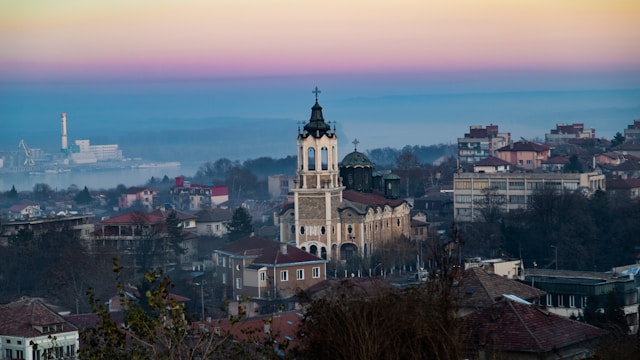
point(318, 191)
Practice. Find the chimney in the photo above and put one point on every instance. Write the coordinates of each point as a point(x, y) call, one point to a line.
point(63, 120)
point(283, 248)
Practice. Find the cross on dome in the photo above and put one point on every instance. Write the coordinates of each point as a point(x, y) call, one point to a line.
point(316, 91)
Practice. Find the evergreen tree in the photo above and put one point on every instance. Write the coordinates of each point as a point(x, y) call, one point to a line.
point(241, 224)
point(83, 197)
point(617, 140)
point(13, 193)
point(174, 233)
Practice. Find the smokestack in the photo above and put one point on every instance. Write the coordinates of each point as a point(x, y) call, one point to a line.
point(63, 119)
point(283, 248)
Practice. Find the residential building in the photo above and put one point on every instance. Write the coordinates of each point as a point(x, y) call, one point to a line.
point(333, 220)
point(24, 211)
point(213, 221)
point(516, 329)
point(186, 196)
point(507, 268)
point(479, 288)
point(31, 330)
point(79, 224)
point(138, 196)
point(481, 143)
point(279, 186)
point(555, 164)
point(568, 292)
point(491, 164)
point(143, 234)
point(525, 154)
point(563, 133)
point(263, 269)
point(515, 189)
point(632, 132)
point(622, 188)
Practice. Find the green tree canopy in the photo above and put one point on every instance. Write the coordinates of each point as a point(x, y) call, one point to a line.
point(240, 225)
point(83, 197)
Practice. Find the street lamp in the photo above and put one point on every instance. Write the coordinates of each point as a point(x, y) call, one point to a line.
point(555, 249)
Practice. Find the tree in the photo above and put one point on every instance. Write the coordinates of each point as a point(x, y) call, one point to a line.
point(83, 197)
point(174, 234)
point(12, 194)
point(158, 327)
point(354, 320)
point(240, 225)
point(618, 139)
point(574, 165)
point(42, 191)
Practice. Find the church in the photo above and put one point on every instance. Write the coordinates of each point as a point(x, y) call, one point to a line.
point(340, 209)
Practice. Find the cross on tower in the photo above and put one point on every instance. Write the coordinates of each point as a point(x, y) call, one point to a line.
point(316, 91)
point(355, 144)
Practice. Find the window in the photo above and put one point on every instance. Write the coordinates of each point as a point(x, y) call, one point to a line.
point(8, 353)
point(584, 302)
point(224, 278)
point(302, 230)
point(71, 350)
point(572, 301)
point(238, 283)
point(560, 302)
point(300, 274)
point(19, 354)
point(263, 276)
point(315, 272)
point(284, 275)
point(549, 302)
point(312, 158)
point(324, 158)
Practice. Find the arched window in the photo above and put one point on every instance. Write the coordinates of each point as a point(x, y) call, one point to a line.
point(323, 253)
point(313, 250)
point(350, 229)
point(324, 158)
point(293, 229)
point(312, 158)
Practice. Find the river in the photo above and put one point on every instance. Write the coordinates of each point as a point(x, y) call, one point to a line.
point(94, 180)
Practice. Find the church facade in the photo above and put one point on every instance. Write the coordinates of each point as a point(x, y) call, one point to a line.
point(333, 220)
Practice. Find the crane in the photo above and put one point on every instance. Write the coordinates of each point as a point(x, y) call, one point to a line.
point(28, 160)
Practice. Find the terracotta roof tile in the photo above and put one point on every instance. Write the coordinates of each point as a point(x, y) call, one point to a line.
point(478, 288)
point(19, 318)
point(524, 146)
point(517, 327)
point(267, 251)
point(374, 199)
point(134, 218)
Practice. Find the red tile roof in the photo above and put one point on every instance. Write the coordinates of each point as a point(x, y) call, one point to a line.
point(620, 184)
point(559, 160)
point(478, 288)
point(513, 326)
point(268, 252)
point(525, 146)
point(19, 318)
point(374, 199)
point(491, 161)
point(136, 190)
point(136, 217)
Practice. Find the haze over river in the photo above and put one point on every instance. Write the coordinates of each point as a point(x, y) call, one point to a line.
point(96, 179)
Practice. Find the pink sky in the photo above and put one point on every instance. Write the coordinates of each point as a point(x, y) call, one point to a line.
point(51, 39)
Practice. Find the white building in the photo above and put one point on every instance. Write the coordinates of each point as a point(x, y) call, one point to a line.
point(26, 330)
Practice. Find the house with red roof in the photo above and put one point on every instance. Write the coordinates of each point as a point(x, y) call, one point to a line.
point(491, 164)
point(266, 270)
point(525, 154)
point(141, 196)
point(30, 329)
point(555, 164)
point(193, 197)
point(513, 328)
point(624, 188)
point(24, 211)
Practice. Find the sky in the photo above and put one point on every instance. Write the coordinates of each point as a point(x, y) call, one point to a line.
point(44, 39)
point(134, 63)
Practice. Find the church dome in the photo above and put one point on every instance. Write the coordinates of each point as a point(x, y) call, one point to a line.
point(316, 123)
point(356, 159)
